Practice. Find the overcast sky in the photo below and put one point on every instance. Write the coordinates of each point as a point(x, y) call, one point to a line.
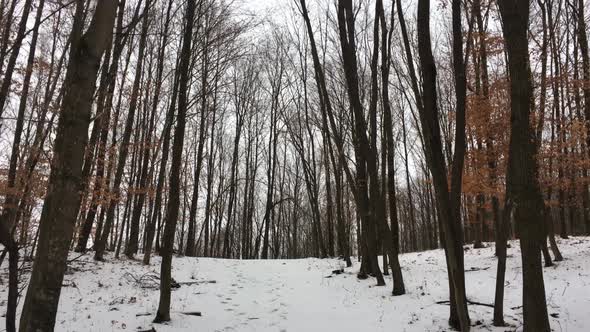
point(261, 6)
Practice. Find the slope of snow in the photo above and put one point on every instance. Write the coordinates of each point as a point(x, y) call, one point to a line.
point(297, 295)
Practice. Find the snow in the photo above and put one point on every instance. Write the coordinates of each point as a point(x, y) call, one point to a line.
point(297, 295)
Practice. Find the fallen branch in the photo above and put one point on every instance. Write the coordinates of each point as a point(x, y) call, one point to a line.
point(473, 269)
point(150, 330)
point(72, 284)
point(468, 301)
point(188, 283)
point(188, 313)
point(148, 280)
point(76, 258)
point(335, 272)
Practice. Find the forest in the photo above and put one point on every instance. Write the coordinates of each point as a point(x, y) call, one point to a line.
point(156, 134)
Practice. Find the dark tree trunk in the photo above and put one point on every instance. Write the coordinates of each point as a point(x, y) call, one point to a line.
point(398, 281)
point(522, 185)
point(329, 198)
point(63, 196)
point(13, 295)
point(191, 249)
point(448, 203)
point(101, 242)
point(153, 217)
point(7, 21)
point(365, 156)
point(105, 103)
point(583, 41)
point(210, 175)
point(163, 313)
point(268, 218)
point(8, 218)
point(102, 125)
point(327, 113)
point(133, 244)
point(7, 80)
point(501, 248)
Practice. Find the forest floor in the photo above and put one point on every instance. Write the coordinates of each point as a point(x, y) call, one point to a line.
point(304, 295)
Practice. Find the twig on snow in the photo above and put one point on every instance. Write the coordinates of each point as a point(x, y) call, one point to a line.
point(468, 301)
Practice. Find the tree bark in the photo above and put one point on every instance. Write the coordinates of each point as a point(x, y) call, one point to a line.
point(8, 218)
point(522, 184)
point(386, 37)
point(191, 249)
point(366, 163)
point(63, 197)
point(101, 242)
point(7, 80)
point(133, 244)
point(156, 211)
point(448, 203)
point(583, 41)
point(163, 313)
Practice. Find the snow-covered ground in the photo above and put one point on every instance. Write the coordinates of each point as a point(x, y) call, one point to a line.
point(297, 295)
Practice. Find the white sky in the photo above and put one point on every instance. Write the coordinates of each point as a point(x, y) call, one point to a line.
point(261, 6)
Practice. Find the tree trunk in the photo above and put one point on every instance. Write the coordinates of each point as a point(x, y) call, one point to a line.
point(133, 244)
point(448, 203)
point(366, 163)
point(8, 218)
point(396, 271)
point(522, 184)
point(583, 41)
point(184, 66)
point(101, 243)
point(7, 80)
point(501, 248)
point(63, 197)
point(191, 249)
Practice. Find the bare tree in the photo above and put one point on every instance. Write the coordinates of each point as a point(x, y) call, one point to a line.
point(63, 197)
point(522, 184)
point(163, 313)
